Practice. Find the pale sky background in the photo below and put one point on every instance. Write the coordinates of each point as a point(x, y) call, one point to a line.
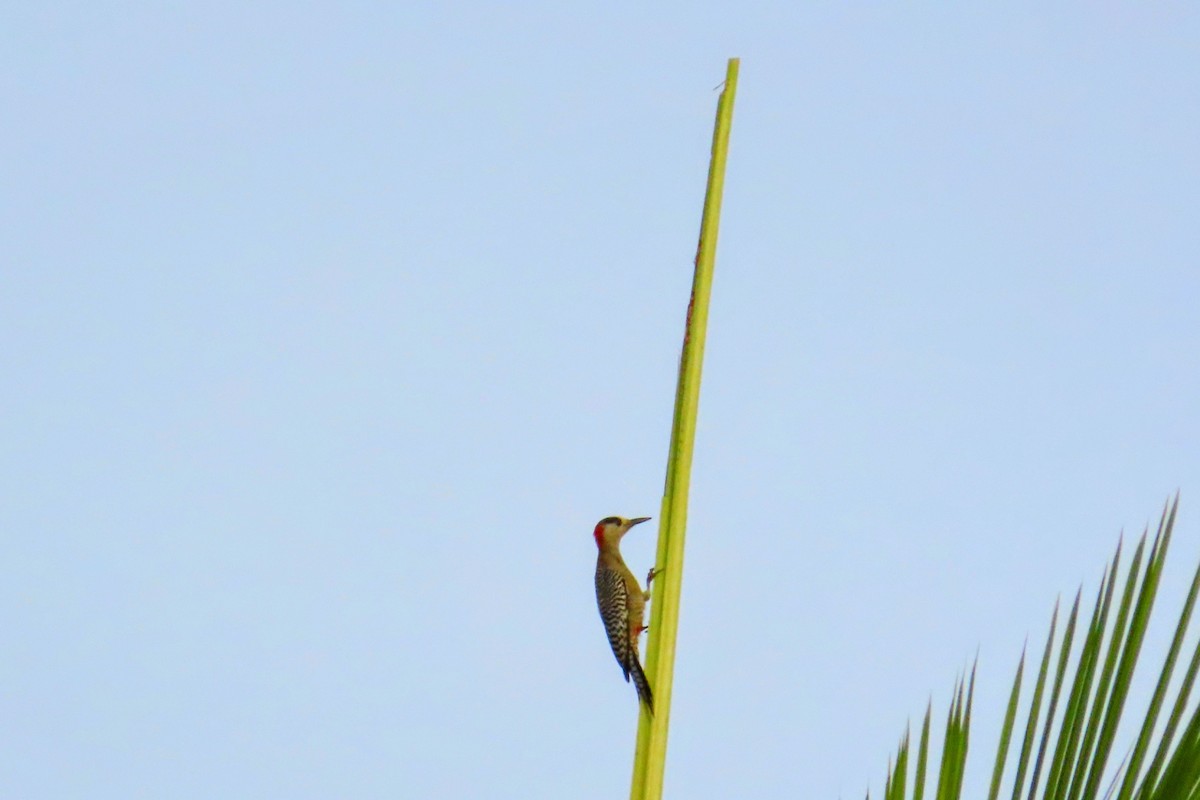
point(328, 331)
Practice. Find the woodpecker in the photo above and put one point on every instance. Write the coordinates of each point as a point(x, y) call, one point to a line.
point(621, 601)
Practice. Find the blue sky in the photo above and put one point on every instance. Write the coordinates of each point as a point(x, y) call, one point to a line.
point(327, 332)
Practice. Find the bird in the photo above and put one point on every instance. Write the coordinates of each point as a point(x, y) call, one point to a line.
point(622, 602)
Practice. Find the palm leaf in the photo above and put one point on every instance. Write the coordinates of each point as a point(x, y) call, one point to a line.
point(650, 755)
point(1074, 745)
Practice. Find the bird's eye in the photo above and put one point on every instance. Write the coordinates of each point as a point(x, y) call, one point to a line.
point(611, 521)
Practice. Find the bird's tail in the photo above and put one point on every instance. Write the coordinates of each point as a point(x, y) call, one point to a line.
point(643, 685)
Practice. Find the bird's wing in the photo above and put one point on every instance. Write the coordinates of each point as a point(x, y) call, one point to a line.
point(615, 614)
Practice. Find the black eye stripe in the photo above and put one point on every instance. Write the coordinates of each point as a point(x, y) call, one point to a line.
point(611, 521)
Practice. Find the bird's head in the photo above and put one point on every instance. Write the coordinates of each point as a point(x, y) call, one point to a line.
point(610, 529)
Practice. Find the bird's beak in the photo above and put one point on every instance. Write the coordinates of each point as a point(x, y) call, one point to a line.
point(637, 521)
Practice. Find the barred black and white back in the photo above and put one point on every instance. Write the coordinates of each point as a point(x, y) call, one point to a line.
point(612, 598)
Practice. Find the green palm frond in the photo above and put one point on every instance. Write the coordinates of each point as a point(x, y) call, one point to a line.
point(649, 760)
point(1074, 746)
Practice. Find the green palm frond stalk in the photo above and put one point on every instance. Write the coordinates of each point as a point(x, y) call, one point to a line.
point(650, 758)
